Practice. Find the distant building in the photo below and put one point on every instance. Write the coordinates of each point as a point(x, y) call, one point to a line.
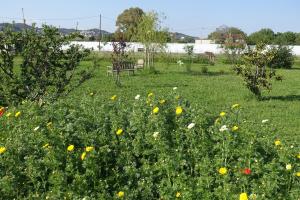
point(204, 41)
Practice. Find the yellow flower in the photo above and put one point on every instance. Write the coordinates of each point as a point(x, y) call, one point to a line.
point(243, 196)
point(8, 114)
point(178, 194)
point(46, 145)
point(91, 94)
point(178, 110)
point(83, 155)
point(223, 171)
point(113, 98)
point(70, 147)
point(277, 142)
point(2, 150)
point(88, 149)
point(155, 110)
point(121, 194)
point(235, 106)
point(150, 95)
point(222, 114)
point(288, 167)
point(298, 156)
point(18, 114)
point(119, 131)
point(298, 174)
point(235, 128)
point(162, 101)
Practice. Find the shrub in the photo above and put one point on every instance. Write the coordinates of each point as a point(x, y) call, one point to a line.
point(204, 69)
point(46, 70)
point(283, 57)
point(153, 148)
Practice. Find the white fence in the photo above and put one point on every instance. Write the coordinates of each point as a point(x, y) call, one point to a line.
point(171, 47)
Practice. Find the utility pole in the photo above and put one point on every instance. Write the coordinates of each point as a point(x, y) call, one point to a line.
point(24, 21)
point(76, 26)
point(100, 31)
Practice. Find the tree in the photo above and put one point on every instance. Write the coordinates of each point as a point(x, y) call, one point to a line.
point(221, 34)
point(151, 35)
point(297, 40)
point(286, 38)
point(189, 49)
point(128, 21)
point(265, 35)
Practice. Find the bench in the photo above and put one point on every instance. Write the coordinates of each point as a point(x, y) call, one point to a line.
point(140, 64)
point(121, 67)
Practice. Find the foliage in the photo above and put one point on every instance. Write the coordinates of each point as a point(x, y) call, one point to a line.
point(154, 148)
point(45, 71)
point(189, 49)
point(283, 57)
point(221, 34)
point(204, 69)
point(286, 38)
point(234, 45)
point(127, 22)
point(255, 71)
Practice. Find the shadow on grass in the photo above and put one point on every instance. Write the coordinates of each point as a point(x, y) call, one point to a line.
point(282, 98)
point(195, 73)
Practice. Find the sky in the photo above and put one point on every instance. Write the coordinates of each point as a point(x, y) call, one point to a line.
point(192, 17)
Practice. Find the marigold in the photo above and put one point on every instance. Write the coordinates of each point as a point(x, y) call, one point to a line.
point(178, 194)
point(83, 155)
point(223, 171)
point(222, 114)
point(178, 110)
point(18, 114)
point(235, 106)
point(277, 142)
point(298, 174)
point(88, 149)
point(113, 98)
point(243, 196)
point(2, 150)
point(119, 131)
point(70, 147)
point(235, 128)
point(155, 110)
point(121, 194)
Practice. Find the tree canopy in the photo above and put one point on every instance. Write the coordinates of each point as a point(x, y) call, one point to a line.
point(222, 33)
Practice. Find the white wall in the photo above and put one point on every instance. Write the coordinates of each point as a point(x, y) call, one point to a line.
point(171, 47)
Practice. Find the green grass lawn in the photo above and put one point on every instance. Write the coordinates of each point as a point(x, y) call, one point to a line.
point(215, 91)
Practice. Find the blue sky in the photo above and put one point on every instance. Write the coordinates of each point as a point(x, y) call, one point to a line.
point(194, 17)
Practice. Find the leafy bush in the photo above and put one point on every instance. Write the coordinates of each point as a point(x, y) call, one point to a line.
point(283, 57)
point(153, 148)
point(204, 69)
point(45, 69)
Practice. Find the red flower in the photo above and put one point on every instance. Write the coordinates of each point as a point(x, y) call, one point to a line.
point(2, 110)
point(247, 171)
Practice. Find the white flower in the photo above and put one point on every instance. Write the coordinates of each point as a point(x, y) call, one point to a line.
point(174, 88)
point(179, 62)
point(137, 97)
point(155, 135)
point(288, 167)
point(191, 125)
point(264, 121)
point(223, 128)
point(36, 128)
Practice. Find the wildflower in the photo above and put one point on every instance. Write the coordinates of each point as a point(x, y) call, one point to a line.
point(2, 150)
point(178, 110)
point(264, 121)
point(155, 135)
point(298, 174)
point(137, 97)
point(223, 128)
point(88, 149)
point(235, 128)
point(2, 110)
point(18, 114)
point(8, 114)
point(36, 128)
point(46, 145)
point(298, 156)
point(162, 101)
point(243, 196)
point(288, 167)
point(174, 88)
point(113, 98)
point(70, 147)
point(222, 114)
point(83, 155)
point(223, 171)
point(191, 125)
point(150, 95)
point(121, 194)
point(178, 194)
point(235, 106)
point(119, 131)
point(277, 142)
point(91, 94)
point(155, 110)
point(247, 171)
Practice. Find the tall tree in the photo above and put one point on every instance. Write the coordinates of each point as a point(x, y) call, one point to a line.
point(128, 21)
point(265, 36)
point(286, 38)
point(223, 32)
